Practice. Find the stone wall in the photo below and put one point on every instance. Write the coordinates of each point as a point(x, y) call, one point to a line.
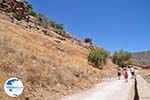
point(16, 7)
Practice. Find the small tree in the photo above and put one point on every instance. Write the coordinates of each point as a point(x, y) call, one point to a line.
point(59, 26)
point(52, 24)
point(62, 33)
point(31, 11)
point(43, 20)
point(17, 17)
point(98, 56)
point(55, 25)
point(88, 40)
point(121, 58)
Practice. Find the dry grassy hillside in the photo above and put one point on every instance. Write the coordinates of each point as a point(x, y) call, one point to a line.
point(48, 67)
point(141, 58)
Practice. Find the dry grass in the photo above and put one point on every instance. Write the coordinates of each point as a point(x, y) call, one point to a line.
point(47, 69)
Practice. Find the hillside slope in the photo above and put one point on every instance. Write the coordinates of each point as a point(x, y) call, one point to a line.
point(141, 58)
point(48, 65)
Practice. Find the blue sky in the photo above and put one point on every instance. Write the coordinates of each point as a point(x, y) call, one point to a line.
point(112, 24)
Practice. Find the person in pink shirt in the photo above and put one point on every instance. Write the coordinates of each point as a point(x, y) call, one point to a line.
point(125, 74)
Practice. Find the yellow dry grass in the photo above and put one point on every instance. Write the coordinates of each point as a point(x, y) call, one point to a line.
point(39, 62)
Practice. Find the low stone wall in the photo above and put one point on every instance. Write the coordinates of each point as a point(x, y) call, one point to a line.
point(132, 91)
point(143, 88)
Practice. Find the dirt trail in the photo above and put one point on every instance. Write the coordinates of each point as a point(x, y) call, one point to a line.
point(112, 90)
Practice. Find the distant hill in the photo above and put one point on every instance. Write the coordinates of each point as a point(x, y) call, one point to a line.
point(141, 58)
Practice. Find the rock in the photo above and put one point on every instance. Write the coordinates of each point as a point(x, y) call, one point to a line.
point(44, 31)
point(27, 98)
point(15, 7)
point(31, 25)
point(60, 49)
point(61, 38)
point(64, 93)
point(57, 41)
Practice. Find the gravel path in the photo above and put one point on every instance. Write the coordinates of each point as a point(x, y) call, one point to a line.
point(112, 90)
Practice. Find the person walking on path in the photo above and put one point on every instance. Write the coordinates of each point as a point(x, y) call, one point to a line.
point(132, 70)
point(119, 73)
point(125, 74)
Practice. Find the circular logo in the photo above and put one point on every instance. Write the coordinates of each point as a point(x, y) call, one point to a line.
point(13, 87)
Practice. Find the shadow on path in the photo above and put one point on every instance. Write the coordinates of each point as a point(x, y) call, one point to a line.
point(136, 97)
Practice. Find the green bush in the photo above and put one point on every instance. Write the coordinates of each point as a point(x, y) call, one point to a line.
point(29, 5)
point(17, 17)
point(55, 25)
point(98, 56)
point(43, 20)
point(59, 26)
point(121, 58)
point(46, 23)
point(31, 11)
point(51, 23)
point(62, 33)
point(88, 40)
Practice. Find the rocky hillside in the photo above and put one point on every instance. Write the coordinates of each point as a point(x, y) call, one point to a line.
point(50, 64)
point(17, 7)
point(141, 58)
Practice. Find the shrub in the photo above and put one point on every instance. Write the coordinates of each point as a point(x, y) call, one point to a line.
point(43, 20)
point(62, 33)
point(29, 5)
point(31, 11)
point(17, 17)
point(51, 23)
point(88, 40)
point(59, 26)
point(121, 58)
point(98, 56)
